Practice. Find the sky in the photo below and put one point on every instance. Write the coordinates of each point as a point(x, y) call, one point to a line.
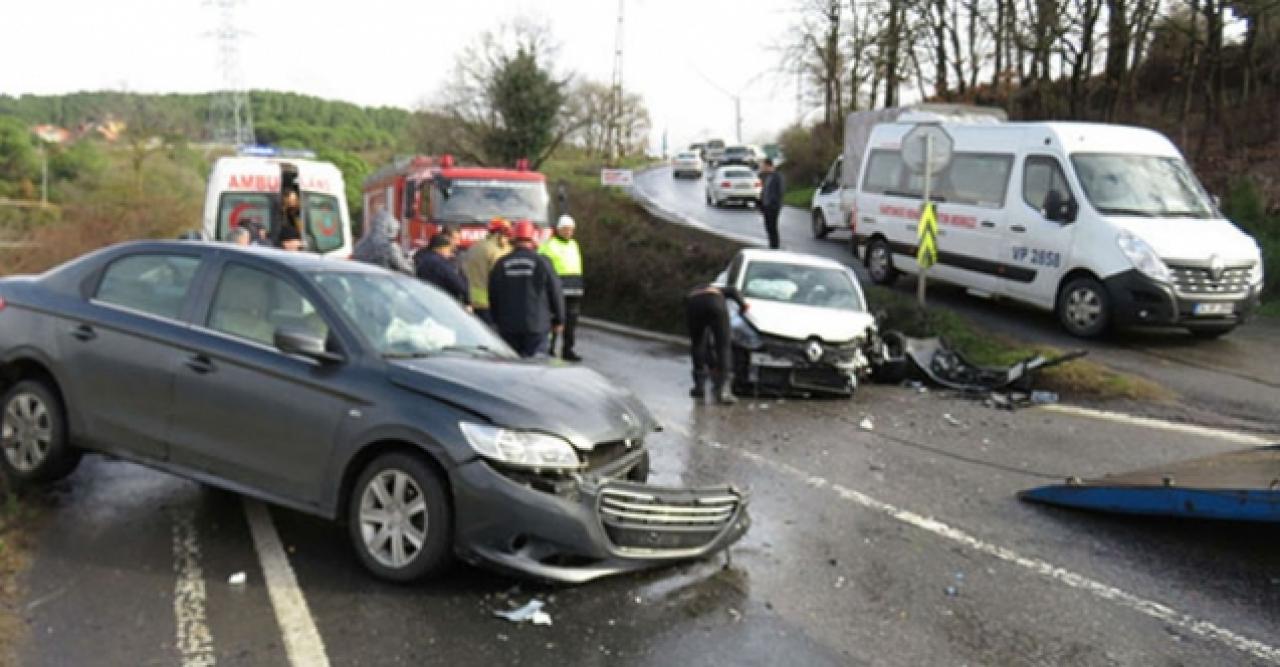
point(687, 58)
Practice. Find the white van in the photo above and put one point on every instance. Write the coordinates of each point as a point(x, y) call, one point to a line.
point(1103, 224)
point(249, 187)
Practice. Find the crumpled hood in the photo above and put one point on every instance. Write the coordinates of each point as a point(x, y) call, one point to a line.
point(570, 401)
point(798, 322)
point(1195, 240)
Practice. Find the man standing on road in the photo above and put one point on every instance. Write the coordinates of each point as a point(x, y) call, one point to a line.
point(771, 201)
point(524, 295)
point(478, 261)
point(566, 259)
point(436, 265)
point(707, 315)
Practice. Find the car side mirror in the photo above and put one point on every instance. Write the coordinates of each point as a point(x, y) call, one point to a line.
point(1058, 209)
point(296, 341)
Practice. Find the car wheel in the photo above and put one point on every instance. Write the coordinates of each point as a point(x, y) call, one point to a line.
point(1084, 308)
point(400, 519)
point(33, 435)
point(880, 262)
point(1212, 332)
point(820, 228)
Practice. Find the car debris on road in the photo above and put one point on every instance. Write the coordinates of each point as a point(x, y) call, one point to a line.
point(531, 612)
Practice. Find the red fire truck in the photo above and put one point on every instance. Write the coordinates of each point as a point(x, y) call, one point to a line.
point(427, 193)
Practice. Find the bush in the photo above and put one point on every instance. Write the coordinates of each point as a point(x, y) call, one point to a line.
point(809, 152)
point(1245, 206)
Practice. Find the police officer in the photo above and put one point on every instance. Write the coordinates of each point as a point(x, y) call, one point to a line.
point(566, 259)
point(524, 295)
point(707, 315)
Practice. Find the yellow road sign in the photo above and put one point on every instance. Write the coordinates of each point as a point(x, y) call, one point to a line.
point(927, 238)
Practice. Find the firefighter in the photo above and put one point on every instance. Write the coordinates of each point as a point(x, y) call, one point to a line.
point(478, 261)
point(707, 315)
point(566, 259)
point(524, 295)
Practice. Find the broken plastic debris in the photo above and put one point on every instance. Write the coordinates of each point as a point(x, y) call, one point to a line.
point(237, 579)
point(952, 591)
point(946, 416)
point(866, 424)
point(530, 613)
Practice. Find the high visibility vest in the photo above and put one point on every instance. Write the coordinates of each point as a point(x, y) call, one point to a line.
point(565, 257)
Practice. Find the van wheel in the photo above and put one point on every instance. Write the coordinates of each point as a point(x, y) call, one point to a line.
point(820, 228)
point(400, 520)
point(33, 435)
point(1212, 332)
point(1084, 308)
point(880, 262)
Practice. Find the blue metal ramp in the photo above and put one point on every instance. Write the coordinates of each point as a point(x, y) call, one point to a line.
point(1237, 486)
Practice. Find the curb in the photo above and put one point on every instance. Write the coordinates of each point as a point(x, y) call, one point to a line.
point(634, 332)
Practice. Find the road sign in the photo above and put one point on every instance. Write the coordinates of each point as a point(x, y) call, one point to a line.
point(617, 177)
point(926, 149)
point(927, 238)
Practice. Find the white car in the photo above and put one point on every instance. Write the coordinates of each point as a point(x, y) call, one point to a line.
point(733, 184)
point(688, 163)
point(807, 327)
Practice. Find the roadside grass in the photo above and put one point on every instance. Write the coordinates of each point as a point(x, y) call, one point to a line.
point(798, 197)
point(1270, 309)
point(1080, 378)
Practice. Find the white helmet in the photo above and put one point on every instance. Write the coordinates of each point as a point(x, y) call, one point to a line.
point(565, 221)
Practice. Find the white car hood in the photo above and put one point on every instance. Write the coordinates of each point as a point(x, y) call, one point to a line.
point(1194, 240)
point(798, 322)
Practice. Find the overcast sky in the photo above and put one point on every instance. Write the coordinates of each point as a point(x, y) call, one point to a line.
point(398, 52)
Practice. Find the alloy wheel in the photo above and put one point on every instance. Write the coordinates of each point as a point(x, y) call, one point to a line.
point(1084, 308)
point(393, 518)
point(27, 433)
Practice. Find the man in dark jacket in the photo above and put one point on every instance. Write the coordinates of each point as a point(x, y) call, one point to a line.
point(707, 315)
point(436, 265)
point(524, 295)
point(771, 201)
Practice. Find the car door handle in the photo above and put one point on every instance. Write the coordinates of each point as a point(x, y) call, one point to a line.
point(84, 332)
point(200, 364)
point(988, 224)
point(1017, 228)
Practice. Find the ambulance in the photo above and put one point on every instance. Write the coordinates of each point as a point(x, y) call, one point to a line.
point(250, 186)
point(1104, 225)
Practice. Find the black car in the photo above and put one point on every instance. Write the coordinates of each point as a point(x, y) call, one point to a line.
point(342, 390)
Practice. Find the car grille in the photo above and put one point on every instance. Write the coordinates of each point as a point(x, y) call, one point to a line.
point(1199, 280)
point(821, 377)
point(658, 520)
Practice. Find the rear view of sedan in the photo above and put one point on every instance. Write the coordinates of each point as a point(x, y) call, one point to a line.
point(345, 391)
point(686, 164)
point(733, 185)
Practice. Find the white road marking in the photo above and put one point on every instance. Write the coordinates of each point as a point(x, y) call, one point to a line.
point(301, 639)
point(1151, 608)
point(195, 641)
point(1162, 425)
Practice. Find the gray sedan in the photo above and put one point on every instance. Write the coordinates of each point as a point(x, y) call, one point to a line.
point(341, 390)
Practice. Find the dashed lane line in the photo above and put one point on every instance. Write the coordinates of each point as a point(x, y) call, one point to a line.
point(1156, 610)
point(194, 639)
point(302, 640)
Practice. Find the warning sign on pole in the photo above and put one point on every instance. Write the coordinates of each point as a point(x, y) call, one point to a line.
point(927, 238)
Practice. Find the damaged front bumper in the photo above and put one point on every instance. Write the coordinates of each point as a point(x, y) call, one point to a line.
point(809, 366)
point(591, 526)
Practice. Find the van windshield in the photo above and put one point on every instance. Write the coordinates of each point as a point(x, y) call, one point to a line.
point(1141, 185)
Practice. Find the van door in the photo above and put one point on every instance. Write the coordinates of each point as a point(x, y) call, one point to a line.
point(881, 207)
point(971, 195)
point(1037, 250)
point(828, 202)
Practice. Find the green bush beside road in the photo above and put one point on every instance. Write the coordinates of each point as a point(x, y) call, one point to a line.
point(798, 197)
point(1244, 205)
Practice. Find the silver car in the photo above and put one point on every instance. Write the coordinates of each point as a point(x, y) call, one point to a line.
point(686, 164)
point(733, 184)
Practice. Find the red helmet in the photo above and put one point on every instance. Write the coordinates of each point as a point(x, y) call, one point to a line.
point(498, 224)
point(524, 231)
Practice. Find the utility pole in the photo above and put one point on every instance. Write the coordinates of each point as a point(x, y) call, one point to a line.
point(737, 115)
point(614, 138)
point(230, 116)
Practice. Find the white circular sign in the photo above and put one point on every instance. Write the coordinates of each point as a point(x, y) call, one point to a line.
point(931, 139)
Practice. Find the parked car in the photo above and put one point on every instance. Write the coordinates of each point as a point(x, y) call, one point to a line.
point(747, 156)
point(686, 164)
point(806, 328)
point(339, 389)
point(734, 184)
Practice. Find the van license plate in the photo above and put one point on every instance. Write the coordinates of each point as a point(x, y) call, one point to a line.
point(1213, 308)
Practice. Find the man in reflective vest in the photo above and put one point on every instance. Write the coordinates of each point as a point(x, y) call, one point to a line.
point(566, 258)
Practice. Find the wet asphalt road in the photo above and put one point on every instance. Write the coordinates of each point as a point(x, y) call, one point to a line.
point(846, 563)
point(1233, 381)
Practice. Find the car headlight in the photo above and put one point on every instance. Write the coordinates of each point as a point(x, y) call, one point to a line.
point(526, 449)
point(742, 333)
point(1144, 257)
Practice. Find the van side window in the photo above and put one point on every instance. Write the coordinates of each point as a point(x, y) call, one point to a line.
point(236, 208)
point(1040, 174)
point(884, 171)
point(973, 179)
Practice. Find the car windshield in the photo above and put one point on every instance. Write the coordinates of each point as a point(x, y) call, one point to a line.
point(802, 285)
point(470, 201)
point(738, 173)
point(404, 318)
point(1141, 185)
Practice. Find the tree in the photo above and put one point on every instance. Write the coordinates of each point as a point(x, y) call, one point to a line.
point(19, 158)
point(589, 108)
